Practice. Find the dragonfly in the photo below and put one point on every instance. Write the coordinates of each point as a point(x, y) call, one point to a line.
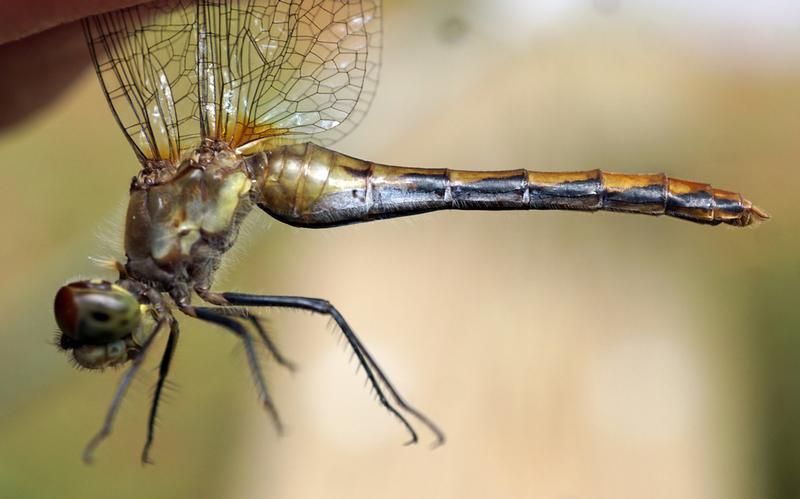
point(232, 105)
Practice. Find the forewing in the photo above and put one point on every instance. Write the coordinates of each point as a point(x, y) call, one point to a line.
point(288, 69)
point(243, 72)
point(146, 59)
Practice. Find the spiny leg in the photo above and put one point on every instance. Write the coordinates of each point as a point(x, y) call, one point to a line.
point(163, 371)
point(262, 333)
point(122, 388)
point(217, 316)
point(271, 346)
point(375, 374)
point(224, 308)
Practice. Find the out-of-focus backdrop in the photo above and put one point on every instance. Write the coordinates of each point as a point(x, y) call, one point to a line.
point(565, 355)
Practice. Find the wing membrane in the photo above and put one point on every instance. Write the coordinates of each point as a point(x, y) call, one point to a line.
point(145, 59)
point(246, 73)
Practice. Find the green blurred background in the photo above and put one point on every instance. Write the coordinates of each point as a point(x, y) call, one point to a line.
point(565, 355)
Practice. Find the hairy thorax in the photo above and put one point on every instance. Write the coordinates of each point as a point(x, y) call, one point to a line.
point(181, 220)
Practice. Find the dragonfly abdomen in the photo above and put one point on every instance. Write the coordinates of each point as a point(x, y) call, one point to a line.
point(650, 194)
point(310, 186)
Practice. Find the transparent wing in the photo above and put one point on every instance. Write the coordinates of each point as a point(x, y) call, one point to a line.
point(286, 68)
point(242, 72)
point(146, 61)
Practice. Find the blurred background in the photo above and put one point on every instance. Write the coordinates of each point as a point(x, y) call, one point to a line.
point(565, 355)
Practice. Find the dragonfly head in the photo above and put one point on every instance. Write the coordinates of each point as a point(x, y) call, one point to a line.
point(101, 323)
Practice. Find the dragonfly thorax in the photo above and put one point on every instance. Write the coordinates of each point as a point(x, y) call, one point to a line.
point(179, 225)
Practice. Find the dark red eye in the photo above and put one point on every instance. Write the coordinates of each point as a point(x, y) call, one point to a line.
point(66, 311)
point(96, 312)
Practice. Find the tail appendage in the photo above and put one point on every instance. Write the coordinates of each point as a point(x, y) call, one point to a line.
point(310, 186)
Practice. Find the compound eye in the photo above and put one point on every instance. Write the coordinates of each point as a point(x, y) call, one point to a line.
point(101, 356)
point(96, 312)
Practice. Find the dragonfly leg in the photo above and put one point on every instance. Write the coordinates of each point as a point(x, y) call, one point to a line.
point(377, 378)
point(122, 388)
point(220, 317)
point(262, 333)
point(218, 299)
point(271, 346)
point(163, 370)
